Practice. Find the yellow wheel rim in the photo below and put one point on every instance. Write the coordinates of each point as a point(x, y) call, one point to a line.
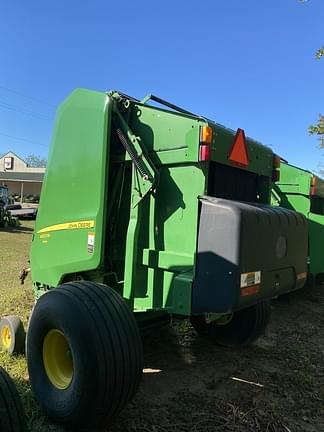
point(58, 360)
point(6, 337)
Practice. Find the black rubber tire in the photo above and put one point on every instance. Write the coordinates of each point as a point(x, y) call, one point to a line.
point(17, 334)
point(106, 348)
point(12, 415)
point(246, 326)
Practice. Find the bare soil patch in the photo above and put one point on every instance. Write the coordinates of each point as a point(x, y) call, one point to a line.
point(275, 385)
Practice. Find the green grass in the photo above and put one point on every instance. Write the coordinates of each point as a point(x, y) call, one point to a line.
point(17, 299)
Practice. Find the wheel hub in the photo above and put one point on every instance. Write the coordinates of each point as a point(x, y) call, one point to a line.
point(6, 337)
point(58, 359)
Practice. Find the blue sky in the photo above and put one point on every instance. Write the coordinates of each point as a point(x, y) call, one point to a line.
point(242, 63)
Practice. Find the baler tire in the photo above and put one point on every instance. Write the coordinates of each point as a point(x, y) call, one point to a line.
point(246, 326)
point(90, 326)
point(12, 335)
point(12, 415)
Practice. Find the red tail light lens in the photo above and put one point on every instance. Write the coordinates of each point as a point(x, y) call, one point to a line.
point(204, 152)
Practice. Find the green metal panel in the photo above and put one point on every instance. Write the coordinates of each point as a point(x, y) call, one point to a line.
point(294, 179)
point(162, 230)
point(170, 137)
point(174, 138)
point(316, 243)
point(171, 246)
point(72, 205)
point(260, 157)
point(293, 192)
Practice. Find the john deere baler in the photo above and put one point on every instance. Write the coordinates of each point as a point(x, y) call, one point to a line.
point(147, 211)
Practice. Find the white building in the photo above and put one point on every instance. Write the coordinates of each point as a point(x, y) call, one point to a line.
point(21, 179)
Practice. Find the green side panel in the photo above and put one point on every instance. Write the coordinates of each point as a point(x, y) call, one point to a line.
point(69, 231)
point(294, 179)
point(165, 265)
point(174, 138)
point(168, 220)
point(292, 201)
point(168, 136)
point(260, 157)
point(316, 243)
point(292, 192)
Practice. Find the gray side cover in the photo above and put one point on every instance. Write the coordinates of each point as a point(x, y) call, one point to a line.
point(247, 252)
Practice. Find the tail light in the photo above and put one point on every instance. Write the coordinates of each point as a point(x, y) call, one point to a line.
point(313, 186)
point(276, 168)
point(206, 137)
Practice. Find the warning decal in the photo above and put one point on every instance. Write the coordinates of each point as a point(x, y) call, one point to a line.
point(91, 242)
point(250, 279)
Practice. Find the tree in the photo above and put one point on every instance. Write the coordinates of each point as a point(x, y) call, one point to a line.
point(36, 161)
point(319, 53)
point(317, 128)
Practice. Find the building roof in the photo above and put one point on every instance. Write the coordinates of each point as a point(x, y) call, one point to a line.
point(13, 153)
point(23, 163)
point(22, 176)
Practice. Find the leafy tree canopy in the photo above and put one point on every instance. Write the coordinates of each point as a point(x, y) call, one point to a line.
point(317, 128)
point(36, 161)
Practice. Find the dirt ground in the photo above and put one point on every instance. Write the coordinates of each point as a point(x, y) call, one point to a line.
point(189, 384)
point(275, 385)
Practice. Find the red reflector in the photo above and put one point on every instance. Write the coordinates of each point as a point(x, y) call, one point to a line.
point(238, 153)
point(204, 152)
point(251, 290)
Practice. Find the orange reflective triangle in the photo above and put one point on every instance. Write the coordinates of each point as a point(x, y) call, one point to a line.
point(239, 153)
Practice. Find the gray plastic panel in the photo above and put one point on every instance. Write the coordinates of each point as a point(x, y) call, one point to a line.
point(236, 238)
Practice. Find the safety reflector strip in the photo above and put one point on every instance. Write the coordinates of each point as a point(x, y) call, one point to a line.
point(251, 290)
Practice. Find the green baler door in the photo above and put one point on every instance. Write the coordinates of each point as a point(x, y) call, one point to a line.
point(69, 230)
